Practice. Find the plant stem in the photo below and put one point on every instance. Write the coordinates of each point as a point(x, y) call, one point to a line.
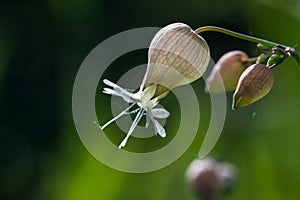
point(293, 53)
point(235, 34)
point(296, 56)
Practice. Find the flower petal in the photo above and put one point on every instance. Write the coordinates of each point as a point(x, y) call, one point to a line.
point(118, 91)
point(160, 113)
point(159, 128)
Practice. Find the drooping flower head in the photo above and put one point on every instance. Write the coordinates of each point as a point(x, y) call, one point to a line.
point(177, 56)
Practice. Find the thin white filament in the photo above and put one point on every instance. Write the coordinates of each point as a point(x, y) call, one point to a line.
point(148, 120)
point(134, 124)
point(117, 117)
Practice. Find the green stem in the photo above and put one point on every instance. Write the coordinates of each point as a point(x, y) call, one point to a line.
point(296, 56)
point(293, 53)
point(235, 34)
point(247, 38)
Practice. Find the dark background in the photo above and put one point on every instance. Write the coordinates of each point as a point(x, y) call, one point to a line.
point(42, 45)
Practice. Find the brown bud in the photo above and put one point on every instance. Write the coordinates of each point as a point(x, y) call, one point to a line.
point(209, 178)
point(227, 71)
point(203, 178)
point(255, 82)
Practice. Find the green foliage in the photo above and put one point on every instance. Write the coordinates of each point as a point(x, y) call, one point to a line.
point(37, 71)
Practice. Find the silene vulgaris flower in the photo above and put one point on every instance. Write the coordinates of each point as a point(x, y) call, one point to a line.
point(177, 56)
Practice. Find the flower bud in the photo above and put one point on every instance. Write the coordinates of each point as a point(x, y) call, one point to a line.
point(264, 48)
point(255, 82)
point(204, 179)
point(209, 178)
point(227, 71)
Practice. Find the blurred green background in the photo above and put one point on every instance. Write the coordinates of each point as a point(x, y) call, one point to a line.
point(42, 45)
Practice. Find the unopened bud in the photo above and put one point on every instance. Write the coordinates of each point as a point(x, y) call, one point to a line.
point(226, 73)
point(264, 48)
point(255, 82)
point(209, 178)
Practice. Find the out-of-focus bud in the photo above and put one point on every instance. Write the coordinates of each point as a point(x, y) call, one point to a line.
point(226, 73)
point(209, 178)
point(227, 173)
point(264, 49)
point(255, 82)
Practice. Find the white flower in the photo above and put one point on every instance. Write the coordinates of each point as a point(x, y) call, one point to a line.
point(177, 56)
point(146, 106)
